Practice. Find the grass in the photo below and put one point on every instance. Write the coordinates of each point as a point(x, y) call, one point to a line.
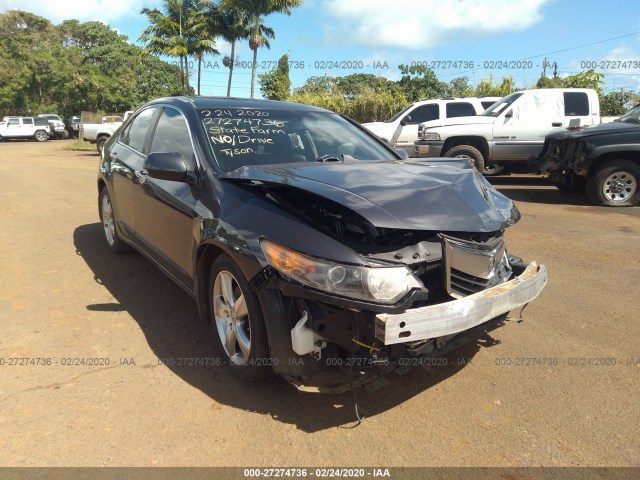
point(79, 145)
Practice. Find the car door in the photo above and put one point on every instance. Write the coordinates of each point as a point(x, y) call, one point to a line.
point(408, 133)
point(126, 157)
point(164, 210)
point(520, 131)
point(577, 110)
point(14, 128)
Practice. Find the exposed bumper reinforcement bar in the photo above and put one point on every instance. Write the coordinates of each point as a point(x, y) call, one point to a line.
point(460, 315)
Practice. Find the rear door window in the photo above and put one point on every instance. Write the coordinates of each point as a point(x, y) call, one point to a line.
point(27, 121)
point(136, 133)
point(460, 109)
point(576, 104)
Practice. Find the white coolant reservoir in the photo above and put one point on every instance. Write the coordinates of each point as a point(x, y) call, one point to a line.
point(304, 340)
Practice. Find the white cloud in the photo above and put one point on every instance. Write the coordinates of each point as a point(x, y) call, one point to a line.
point(85, 10)
point(427, 23)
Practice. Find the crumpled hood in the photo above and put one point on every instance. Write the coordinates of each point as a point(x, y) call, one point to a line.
point(415, 194)
point(605, 128)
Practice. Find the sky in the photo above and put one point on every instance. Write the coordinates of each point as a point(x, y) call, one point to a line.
point(472, 38)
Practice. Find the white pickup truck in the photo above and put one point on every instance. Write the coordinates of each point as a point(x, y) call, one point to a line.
point(99, 133)
point(512, 130)
point(401, 130)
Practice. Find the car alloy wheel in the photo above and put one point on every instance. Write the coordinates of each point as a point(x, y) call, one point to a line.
point(108, 222)
point(232, 318)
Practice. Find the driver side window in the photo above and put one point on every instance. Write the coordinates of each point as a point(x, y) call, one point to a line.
point(172, 135)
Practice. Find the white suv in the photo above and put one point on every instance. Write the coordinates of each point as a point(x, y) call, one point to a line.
point(401, 130)
point(24, 127)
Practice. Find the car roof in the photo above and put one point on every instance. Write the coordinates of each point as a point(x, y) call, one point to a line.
point(233, 102)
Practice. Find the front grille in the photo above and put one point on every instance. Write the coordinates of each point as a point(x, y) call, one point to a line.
point(473, 266)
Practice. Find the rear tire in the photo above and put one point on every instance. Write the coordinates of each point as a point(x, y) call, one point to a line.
point(467, 151)
point(615, 184)
point(238, 325)
point(41, 136)
point(109, 228)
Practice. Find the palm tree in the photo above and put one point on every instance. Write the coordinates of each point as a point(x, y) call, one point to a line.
point(256, 10)
point(201, 32)
point(166, 34)
point(233, 25)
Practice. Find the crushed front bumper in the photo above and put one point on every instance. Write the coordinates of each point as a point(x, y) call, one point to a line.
point(459, 315)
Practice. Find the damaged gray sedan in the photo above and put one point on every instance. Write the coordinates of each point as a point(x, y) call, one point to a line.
point(314, 249)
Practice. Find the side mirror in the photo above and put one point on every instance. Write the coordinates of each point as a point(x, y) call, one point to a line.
point(169, 166)
point(405, 120)
point(509, 114)
point(402, 152)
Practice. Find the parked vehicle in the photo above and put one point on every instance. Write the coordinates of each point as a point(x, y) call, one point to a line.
point(512, 131)
point(73, 126)
point(401, 130)
point(603, 161)
point(308, 242)
point(24, 127)
point(99, 133)
point(57, 129)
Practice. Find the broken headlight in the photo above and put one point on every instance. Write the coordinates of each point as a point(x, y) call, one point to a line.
point(375, 284)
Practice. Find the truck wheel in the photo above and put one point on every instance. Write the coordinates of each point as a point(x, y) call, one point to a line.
point(100, 143)
point(493, 169)
point(65, 135)
point(467, 151)
point(238, 326)
point(614, 184)
point(41, 136)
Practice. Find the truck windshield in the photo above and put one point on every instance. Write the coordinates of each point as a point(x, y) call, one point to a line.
point(240, 137)
point(632, 116)
point(501, 105)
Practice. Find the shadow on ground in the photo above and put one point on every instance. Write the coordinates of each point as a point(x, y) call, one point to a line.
point(169, 320)
point(535, 189)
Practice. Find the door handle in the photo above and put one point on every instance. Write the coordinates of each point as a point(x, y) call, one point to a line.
point(556, 124)
point(141, 176)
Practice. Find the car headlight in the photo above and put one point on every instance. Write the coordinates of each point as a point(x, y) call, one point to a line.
point(430, 136)
point(375, 284)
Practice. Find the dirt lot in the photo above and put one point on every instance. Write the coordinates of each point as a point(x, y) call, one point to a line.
point(64, 296)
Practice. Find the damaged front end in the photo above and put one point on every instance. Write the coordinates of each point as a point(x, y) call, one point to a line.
point(415, 293)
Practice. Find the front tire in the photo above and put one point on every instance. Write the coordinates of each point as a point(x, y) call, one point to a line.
point(109, 229)
point(41, 136)
point(467, 151)
point(615, 184)
point(239, 330)
point(100, 143)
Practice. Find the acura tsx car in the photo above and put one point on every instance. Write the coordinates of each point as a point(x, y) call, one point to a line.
point(314, 249)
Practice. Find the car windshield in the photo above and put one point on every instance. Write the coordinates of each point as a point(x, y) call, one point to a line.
point(501, 105)
point(240, 137)
point(632, 116)
point(398, 115)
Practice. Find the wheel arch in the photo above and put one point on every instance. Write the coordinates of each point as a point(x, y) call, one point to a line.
point(605, 155)
point(472, 140)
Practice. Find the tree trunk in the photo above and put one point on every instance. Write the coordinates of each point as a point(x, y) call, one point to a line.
point(186, 76)
point(253, 70)
point(181, 74)
point(233, 52)
point(256, 32)
point(199, 69)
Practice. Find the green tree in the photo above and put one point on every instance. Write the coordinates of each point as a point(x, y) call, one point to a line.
point(486, 88)
point(233, 25)
point(588, 79)
point(202, 29)
point(419, 82)
point(276, 85)
point(167, 33)
point(459, 87)
point(256, 10)
point(618, 103)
